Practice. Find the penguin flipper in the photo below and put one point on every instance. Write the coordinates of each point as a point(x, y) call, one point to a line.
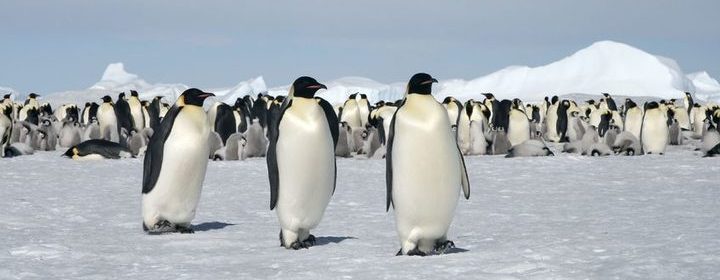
point(331, 117)
point(271, 156)
point(463, 176)
point(388, 159)
point(333, 122)
point(156, 145)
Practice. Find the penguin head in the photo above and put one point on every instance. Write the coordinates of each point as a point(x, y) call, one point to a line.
point(629, 103)
point(306, 87)
point(554, 99)
point(363, 96)
point(7, 96)
point(33, 95)
point(195, 96)
point(652, 105)
point(134, 93)
point(106, 99)
point(121, 96)
point(421, 83)
point(489, 96)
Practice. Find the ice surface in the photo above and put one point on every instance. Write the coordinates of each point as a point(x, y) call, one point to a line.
point(562, 217)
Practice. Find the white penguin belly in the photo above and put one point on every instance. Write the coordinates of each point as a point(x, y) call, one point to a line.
point(654, 132)
point(185, 156)
point(426, 174)
point(633, 122)
point(519, 129)
point(306, 166)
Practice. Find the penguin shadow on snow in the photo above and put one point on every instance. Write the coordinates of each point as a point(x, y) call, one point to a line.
point(325, 240)
point(208, 226)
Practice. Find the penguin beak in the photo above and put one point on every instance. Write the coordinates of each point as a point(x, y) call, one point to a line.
point(206, 95)
point(317, 86)
point(433, 80)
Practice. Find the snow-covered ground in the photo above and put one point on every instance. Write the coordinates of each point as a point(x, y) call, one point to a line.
point(562, 217)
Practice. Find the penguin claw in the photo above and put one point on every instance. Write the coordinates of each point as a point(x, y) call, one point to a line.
point(441, 247)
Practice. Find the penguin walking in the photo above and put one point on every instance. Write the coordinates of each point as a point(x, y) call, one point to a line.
point(654, 132)
point(301, 162)
point(174, 167)
point(424, 167)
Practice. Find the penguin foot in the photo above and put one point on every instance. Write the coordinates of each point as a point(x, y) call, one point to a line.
point(161, 227)
point(416, 252)
point(184, 229)
point(441, 247)
point(309, 242)
point(297, 245)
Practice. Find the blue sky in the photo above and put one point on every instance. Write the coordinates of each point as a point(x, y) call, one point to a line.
point(48, 46)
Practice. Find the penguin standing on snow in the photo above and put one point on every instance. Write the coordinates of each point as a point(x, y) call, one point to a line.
point(654, 132)
point(416, 180)
point(301, 162)
point(174, 167)
point(124, 118)
point(107, 119)
point(136, 110)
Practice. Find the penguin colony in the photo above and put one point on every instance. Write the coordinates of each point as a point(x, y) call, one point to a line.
point(300, 135)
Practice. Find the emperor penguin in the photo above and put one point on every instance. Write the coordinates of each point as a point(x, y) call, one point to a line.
point(454, 109)
point(551, 119)
point(107, 119)
point(633, 118)
point(416, 180)
point(6, 100)
point(97, 149)
point(124, 118)
point(518, 130)
point(174, 167)
point(301, 162)
point(561, 124)
point(529, 148)
point(654, 133)
point(6, 126)
point(136, 110)
point(31, 100)
point(351, 112)
point(688, 102)
point(363, 109)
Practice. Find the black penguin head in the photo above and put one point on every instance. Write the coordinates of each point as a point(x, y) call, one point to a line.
point(121, 96)
point(87, 104)
point(7, 96)
point(133, 93)
point(195, 96)
point(629, 103)
point(489, 96)
point(590, 102)
point(565, 103)
point(106, 99)
point(352, 96)
point(554, 99)
point(421, 83)
point(363, 96)
point(306, 87)
point(651, 105)
point(448, 100)
point(33, 95)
